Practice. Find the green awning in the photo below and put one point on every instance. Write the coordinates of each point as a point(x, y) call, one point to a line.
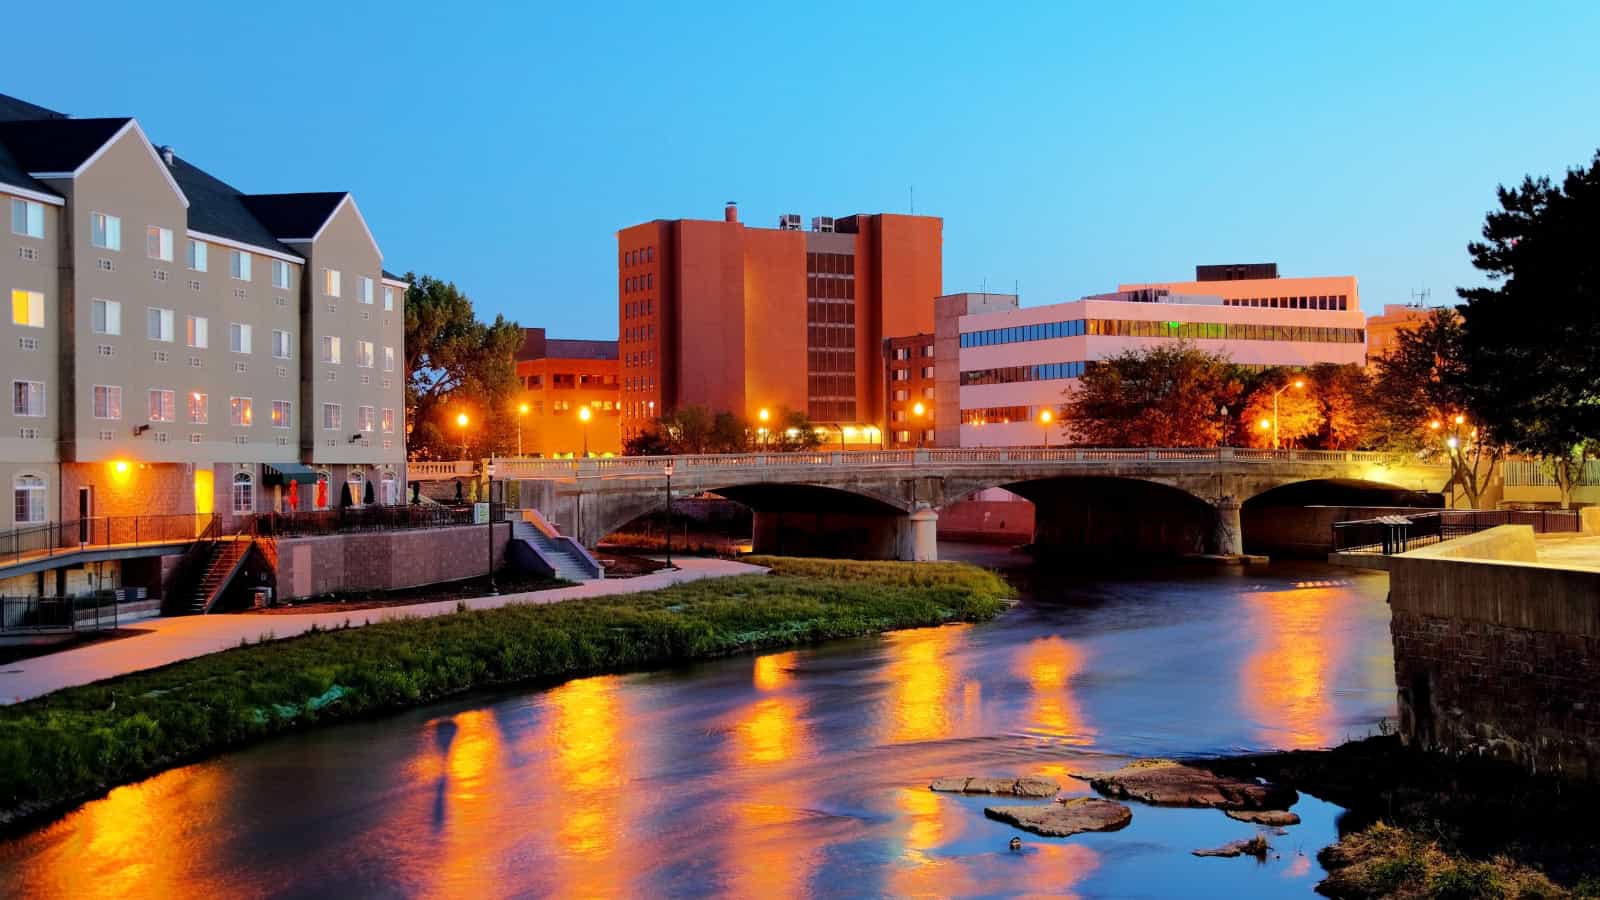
point(288, 473)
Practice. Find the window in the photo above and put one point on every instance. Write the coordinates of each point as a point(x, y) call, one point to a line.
point(364, 418)
point(280, 344)
point(163, 405)
point(364, 292)
point(27, 218)
point(239, 264)
point(238, 337)
point(364, 354)
point(27, 398)
point(927, 371)
point(197, 255)
point(158, 243)
point(105, 231)
point(280, 274)
point(388, 299)
point(107, 401)
point(159, 324)
point(27, 308)
point(27, 493)
point(199, 408)
point(280, 413)
point(330, 348)
point(330, 282)
point(388, 421)
point(388, 359)
point(332, 416)
point(239, 412)
point(244, 493)
point(197, 331)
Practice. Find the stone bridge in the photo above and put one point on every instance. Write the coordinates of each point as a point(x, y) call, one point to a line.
point(884, 504)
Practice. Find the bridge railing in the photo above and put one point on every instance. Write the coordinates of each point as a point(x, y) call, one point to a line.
point(613, 466)
point(1397, 534)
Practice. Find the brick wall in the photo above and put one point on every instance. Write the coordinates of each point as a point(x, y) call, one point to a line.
point(385, 560)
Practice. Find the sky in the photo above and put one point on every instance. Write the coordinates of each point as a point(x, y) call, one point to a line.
point(1068, 147)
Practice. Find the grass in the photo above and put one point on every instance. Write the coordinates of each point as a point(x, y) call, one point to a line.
point(73, 744)
point(1387, 861)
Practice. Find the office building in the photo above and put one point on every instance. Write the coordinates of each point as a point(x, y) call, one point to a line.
point(729, 317)
point(177, 346)
point(909, 374)
point(560, 379)
point(1383, 331)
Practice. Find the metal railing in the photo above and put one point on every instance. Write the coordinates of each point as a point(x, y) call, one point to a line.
point(368, 518)
point(1397, 534)
point(44, 615)
point(1533, 473)
point(427, 471)
point(54, 538)
point(652, 465)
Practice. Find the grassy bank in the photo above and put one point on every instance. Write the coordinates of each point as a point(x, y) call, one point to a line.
point(1425, 826)
point(74, 744)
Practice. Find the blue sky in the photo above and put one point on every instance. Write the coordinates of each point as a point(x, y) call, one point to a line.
point(1067, 146)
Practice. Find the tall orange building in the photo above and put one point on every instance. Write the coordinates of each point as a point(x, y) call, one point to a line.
point(560, 379)
point(729, 317)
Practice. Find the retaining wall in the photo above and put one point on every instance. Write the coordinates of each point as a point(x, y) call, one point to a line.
point(386, 560)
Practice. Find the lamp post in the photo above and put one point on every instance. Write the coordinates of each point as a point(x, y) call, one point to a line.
point(461, 423)
point(917, 411)
point(583, 416)
point(488, 468)
point(763, 415)
point(522, 412)
point(668, 472)
point(1045, 418)
point(1297, 384)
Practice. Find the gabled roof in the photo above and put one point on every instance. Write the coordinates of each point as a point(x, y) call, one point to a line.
point(13, 175)
point(218, 208)
point(57, 145)
point(294, 217)
point(390, 276)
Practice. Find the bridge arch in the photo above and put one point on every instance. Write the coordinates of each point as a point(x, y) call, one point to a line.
point(1296, 518)
point(1125, 514)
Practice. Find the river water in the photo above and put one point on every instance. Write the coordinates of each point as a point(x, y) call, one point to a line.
point(803, 772)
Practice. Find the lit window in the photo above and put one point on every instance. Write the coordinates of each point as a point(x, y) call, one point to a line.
point(27, 493)
point(238, 337)
point(27, 218)
point(27, 308)
point(239, 264)
point(364, 354)
point(363, 418)
point(330, 282)
point(158, 243)
point(27, 398)
point(163, 405)
point(107, 401)
point(280, 274)
point(197, 255)
point(388, 421)
point(280, 413)
point(199, 408)
point(332, 416)
point(239, 411)
point(105, 231)
point(197, 332)
point(388, 359)
point(280, 344)
point(159, 324)
point(330, 348)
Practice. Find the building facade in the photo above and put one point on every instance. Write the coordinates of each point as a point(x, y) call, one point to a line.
point(181, 347)
point(909, 388)
point(729, 317)
point(1383, 330)
point(1000, 365)
point(560, 379)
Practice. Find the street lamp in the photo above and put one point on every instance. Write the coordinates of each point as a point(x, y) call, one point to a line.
point(488, 468)
point(583, 416)
point(1297, 384)
point(1045, 417)
point(461, 423)
point(917, 412)
point(761, 432)
point(668, 472)
point(521, 412)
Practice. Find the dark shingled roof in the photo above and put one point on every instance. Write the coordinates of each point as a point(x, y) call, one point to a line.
point(393, 277)
point(12, 173)
point(57, 145)
point(15, 110)
point(216, 207)
point(292, 216)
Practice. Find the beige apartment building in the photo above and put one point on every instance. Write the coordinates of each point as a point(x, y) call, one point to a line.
point(176, 346)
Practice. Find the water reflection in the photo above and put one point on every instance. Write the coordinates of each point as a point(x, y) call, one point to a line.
point(1285, 680)
point(923, 670)
point(589, 753)
point(467, 774)
point(1049, 664)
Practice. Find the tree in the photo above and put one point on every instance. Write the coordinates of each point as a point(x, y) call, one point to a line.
point(1344, 393)
point(1531, 339)
point(646, 443)
point(369, 496)
point(1298, 412)
point(1423, 407)
point(456, 363)
point(1169, 396)
point(792, 432)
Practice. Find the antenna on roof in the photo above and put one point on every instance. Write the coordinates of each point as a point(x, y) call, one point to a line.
point(1419, 297)
point(913, 190)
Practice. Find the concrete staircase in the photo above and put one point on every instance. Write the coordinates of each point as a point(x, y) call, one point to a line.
point(227, 556)
point(562, 557)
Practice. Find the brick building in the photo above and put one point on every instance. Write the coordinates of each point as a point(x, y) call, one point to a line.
point(560, 379)
point(909, 380)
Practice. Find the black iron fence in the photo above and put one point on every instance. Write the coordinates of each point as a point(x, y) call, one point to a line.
point(1400, 533)
point(51, 538)
point(370, 518)
point(45, 615)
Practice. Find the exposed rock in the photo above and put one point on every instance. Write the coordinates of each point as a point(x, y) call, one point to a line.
point(1162, 782)
point(1015, 787)
point(1066, 818)
point(1256, 846)
point(1274, 817)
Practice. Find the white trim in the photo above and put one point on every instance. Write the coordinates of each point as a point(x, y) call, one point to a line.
point(347, 198)
point(240, 245)
point(26, 194)
point(95, 157)
point(395, 282)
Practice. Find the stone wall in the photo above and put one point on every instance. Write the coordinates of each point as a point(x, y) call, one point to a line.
point(1497, 654)
point(387, 560)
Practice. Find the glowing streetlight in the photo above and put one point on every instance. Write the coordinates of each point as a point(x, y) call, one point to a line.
point(763, 414)
point(1460, 419)
point(917, 411)
point(1434, 425)
point(461, 423)
point(1045, 418)
point(1297, 384)
point(583, 416)
point(522, 412)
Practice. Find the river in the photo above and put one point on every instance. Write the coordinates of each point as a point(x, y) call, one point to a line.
point(802, 772)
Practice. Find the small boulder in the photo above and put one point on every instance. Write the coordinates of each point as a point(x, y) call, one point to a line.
point(1277, 818)
point(1015, 787)
point(1256, 846)
point(1163, 782)
point(1066, 818)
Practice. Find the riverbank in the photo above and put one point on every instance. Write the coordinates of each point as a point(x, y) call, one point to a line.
point(73, 744)
point(1421, 825)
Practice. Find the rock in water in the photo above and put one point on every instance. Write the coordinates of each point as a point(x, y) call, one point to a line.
point(1016, 787)
point(1162, 782)
point(1275, 817)
point(1066, 818)
point(1256, 846)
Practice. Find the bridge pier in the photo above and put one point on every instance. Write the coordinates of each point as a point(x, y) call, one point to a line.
point(919, 536)
point(1230, 532)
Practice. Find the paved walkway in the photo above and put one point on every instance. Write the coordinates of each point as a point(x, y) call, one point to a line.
point(169, 640)
point(1573, 551)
